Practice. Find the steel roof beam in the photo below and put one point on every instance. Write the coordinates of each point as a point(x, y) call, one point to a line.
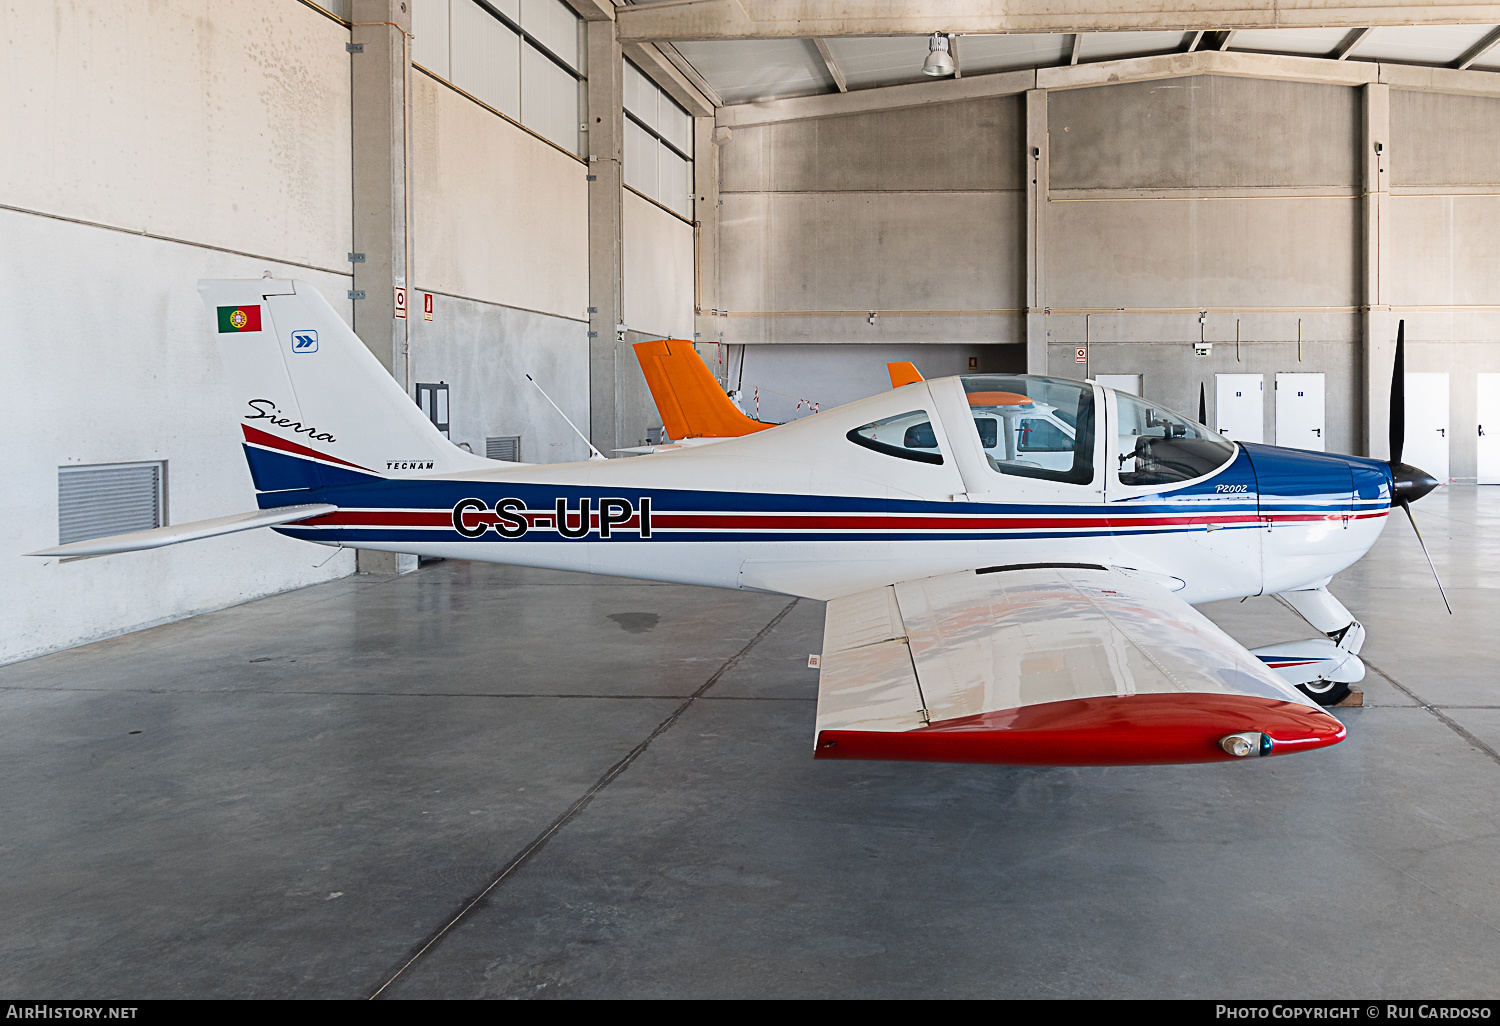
point(1478, 50)
point(805, 19)
point(1348, 43)
point(834, 72)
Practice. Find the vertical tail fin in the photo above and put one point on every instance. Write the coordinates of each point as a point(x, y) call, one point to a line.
point(690, 401)
point(903, 372)
point(315, 406)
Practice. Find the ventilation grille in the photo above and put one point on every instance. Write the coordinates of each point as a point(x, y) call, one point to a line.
point(109, 498)
point(506, 448)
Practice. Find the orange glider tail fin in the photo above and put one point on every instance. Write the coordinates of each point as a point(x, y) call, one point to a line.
point(690, 401)
point(903, 373)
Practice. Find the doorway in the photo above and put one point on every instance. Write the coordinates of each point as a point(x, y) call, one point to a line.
point(1489, 429)
point(1240, 406)
point(1427, 423)
point(1299, 412)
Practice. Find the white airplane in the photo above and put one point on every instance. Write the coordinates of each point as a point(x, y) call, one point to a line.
point(1009, 562)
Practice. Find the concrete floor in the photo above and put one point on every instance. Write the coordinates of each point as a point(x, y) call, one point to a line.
point(295, 796)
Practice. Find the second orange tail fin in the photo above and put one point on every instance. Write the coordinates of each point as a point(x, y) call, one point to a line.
point(903, 373)
point(690, 401)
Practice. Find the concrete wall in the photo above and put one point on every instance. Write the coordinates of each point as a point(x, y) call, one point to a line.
point(793, 380)
point(915, 215)
point(182, 147)
point(1445, 202)
point(500, 238)
point(1206, 208)
point(150, 145)
point(1185, 209)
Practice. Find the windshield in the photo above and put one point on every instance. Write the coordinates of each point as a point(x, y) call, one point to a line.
point(1033, 426)
point(1158, 446)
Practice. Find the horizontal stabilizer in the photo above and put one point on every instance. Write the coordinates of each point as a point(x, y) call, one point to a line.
point(174, 533)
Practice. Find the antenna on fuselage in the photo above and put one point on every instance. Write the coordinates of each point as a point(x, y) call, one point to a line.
point(597, 455)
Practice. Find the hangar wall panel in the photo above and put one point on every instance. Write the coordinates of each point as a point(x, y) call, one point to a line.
point(1445, 210)
point(498, 215)
point(1203, 132)
point(1284, 252)
point(214, 129)
point(658, 270)
point(111, 358)
point(484, 352)
point(225, 125)
point(916, 215)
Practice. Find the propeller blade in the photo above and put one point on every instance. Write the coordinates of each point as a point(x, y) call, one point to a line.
point(1202, 404)
point(1397, 418)
point(1407, 506)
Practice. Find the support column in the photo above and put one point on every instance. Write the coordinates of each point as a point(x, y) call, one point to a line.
point(380, 77)
point(1036, 234)
point(1379, 328)
point(707, 325)
point(606, 93)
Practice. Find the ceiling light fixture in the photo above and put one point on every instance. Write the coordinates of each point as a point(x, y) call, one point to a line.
point(939, 62)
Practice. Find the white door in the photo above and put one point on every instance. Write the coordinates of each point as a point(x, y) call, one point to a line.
point(1427, 423)
point(1241, 412)
point(1299, 412)
point(1125, 383)
point(1489, 429)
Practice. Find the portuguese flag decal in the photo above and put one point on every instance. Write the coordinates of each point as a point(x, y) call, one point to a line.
point(239, 318)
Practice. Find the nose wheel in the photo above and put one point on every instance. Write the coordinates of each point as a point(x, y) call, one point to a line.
point(1325, 692)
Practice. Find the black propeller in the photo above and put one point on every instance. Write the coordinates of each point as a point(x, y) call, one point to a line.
point(1202, 404)
point(1408, 483)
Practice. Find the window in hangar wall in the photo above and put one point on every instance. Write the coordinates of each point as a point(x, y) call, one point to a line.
point(658, 144)
point(524, 58)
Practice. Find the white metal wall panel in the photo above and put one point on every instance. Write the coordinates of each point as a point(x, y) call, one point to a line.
point(429, 36)
point(486, 58)
point(642, 166)
point(641, 96)
point(675, 125)
point(555, 25)
point(676, 177)
point(549, 100)
point(497, 215)
point(658, 270)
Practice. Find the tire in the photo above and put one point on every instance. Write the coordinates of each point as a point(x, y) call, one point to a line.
point(1325, 692)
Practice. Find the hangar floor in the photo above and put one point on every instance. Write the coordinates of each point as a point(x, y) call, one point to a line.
point(292, 797)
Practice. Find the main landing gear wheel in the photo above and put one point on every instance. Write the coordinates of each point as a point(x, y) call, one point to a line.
point(1325, 692)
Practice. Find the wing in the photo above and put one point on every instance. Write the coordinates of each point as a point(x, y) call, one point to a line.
point(1047, 666)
